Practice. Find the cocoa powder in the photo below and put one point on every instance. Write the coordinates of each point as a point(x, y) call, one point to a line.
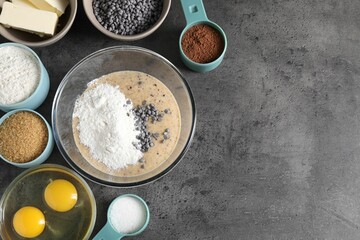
point(202, 43)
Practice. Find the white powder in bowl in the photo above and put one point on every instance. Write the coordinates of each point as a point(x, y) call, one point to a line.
point(128, 215)
point(107, 126)
point(19, 74)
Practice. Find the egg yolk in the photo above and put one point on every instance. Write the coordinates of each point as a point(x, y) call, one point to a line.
point(60, 195)
point(29, 222)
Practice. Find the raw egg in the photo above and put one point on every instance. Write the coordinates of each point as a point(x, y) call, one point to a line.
point(29, 222)
point(60, 195)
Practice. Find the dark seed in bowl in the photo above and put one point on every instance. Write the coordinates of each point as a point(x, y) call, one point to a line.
point(127, 17)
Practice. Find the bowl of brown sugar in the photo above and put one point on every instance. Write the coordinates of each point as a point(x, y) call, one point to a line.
point(26, 138)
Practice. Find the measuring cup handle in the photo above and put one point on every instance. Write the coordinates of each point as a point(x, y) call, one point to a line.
point(194, 11)
point(108, 233)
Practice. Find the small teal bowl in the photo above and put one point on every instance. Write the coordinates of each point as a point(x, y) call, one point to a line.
point(47, 151)
point(40, 93)
point(195, 14)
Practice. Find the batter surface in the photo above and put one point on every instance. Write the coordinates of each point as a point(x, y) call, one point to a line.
point(137, 87)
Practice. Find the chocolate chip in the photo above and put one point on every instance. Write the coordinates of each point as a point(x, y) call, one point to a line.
point(143, 113)
point(156, 135)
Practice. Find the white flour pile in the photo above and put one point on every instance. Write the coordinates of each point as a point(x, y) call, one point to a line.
point(107, 126)
point(19, 74)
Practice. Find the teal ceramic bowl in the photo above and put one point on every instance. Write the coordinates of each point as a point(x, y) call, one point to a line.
point(40, 93)
point(195, 14)
point(47, 151)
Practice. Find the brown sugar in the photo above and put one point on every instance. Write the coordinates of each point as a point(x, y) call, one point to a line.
point(23, 137)
point(202, 43)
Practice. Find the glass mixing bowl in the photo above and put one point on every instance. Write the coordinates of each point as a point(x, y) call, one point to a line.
point(28, 188)
point(103, 62)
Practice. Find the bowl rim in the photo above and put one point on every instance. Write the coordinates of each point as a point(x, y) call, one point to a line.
point(134, 37)
point(54, 166)
point(41, 80)
point(47, 41)
point(47, 150)
point(108, 183)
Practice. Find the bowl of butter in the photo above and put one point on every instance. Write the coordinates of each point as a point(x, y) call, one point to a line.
point(36, 23)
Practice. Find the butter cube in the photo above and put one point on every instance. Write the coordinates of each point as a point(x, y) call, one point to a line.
point(23, 3)
point(28, 19)
point(56, 6)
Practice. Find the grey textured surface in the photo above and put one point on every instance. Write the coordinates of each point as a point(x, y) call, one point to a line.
point(276, 154)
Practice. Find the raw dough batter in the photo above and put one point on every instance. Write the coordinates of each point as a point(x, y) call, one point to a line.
point(138, 86)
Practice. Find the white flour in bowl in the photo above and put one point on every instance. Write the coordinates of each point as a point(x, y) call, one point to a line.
point(107, 126)
point(19, 74)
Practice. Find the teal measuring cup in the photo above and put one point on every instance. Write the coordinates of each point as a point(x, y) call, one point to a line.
point(195, 14)
point(109, 232)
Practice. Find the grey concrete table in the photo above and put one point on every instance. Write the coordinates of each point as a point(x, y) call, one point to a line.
point(276, 154)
